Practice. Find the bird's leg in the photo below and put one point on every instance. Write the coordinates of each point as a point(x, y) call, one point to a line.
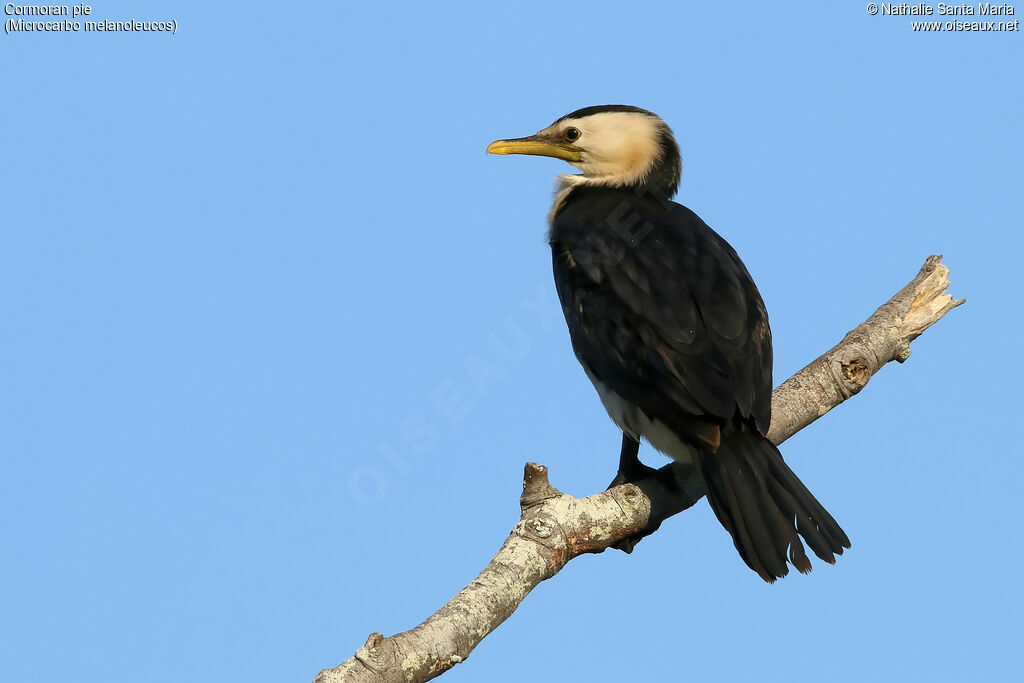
point(630, 470)
point(662, 487)
point(630, 467)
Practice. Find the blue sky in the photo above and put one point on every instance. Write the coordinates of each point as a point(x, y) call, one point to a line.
point(239, 265)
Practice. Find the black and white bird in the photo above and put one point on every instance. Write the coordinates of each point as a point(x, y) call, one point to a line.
point(670, 328)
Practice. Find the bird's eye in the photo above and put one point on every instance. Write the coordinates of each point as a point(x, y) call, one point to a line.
point(571, 134)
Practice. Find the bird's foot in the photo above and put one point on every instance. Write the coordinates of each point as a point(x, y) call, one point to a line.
point(630, 467)
point(631, 470)
point(669, 489)
point(633, 474)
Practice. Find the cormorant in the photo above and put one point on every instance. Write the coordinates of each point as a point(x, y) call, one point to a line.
point(670, 328)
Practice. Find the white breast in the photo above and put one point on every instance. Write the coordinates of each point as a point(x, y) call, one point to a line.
point(637, 424)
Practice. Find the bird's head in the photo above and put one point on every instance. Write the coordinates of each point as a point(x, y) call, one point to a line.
point(614, 145)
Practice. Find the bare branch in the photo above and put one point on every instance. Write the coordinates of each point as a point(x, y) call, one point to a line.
point(555, 527)
point(846, 368)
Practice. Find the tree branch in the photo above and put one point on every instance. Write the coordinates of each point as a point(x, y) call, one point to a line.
point(555, 527)
point(846, 368)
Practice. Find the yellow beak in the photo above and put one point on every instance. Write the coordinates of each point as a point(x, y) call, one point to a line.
point(537, 147)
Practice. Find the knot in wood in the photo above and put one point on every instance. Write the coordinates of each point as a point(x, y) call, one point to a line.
point(902, 352)
point(856, 373)
point(541, 527)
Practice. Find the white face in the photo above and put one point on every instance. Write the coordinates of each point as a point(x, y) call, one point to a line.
point(619, 146)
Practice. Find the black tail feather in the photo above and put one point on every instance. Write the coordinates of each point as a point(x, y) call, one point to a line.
point(764, 506)
point(820, 518)
point(740, 506)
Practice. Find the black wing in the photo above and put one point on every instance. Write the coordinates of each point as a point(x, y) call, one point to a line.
point(662, 311)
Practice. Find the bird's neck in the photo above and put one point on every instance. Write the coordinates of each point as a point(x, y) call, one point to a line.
point(656, 185)
point(564, 185)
